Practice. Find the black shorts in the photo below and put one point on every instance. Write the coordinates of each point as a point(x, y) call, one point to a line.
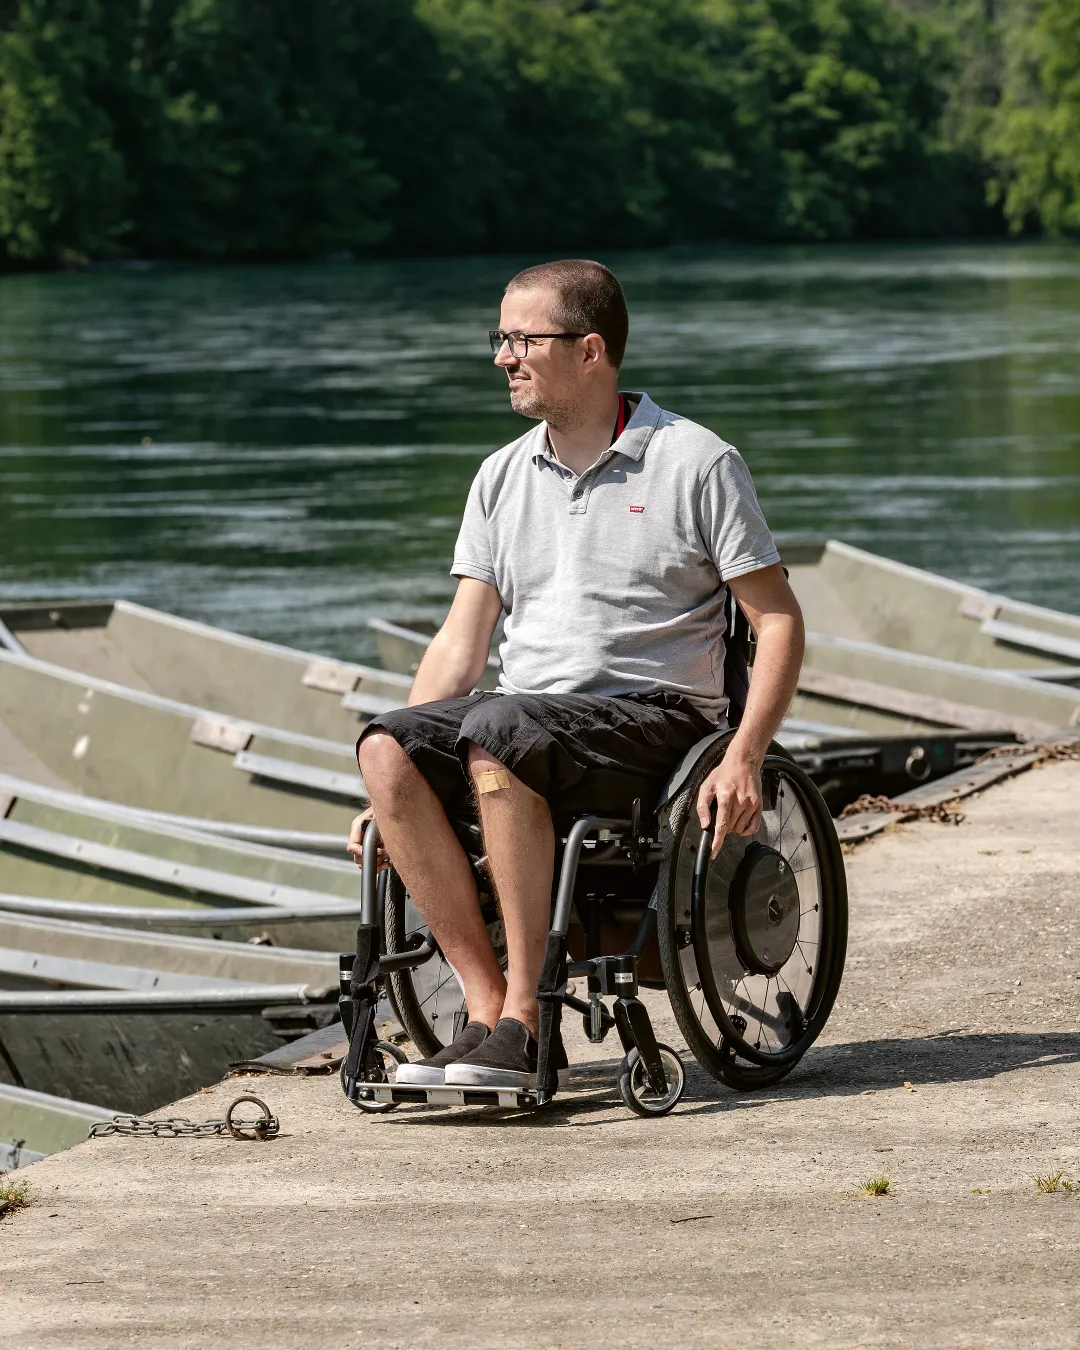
point(549, 741)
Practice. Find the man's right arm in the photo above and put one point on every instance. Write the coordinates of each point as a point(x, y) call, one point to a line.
point(457, 656)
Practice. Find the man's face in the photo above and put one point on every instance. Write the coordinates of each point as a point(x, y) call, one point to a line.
point(545, 382)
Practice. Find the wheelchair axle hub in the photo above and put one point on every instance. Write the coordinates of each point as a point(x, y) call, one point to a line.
point(764, 907)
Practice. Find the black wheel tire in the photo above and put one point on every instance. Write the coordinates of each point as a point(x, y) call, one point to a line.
point(388, 1051)
point(399, 985)
point(406, 988)
point(744, 1077)
point(634, 1087)
point(717, 1055)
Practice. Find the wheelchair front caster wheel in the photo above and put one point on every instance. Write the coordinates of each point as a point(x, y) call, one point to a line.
point(380, 1068)
point(635, 1090)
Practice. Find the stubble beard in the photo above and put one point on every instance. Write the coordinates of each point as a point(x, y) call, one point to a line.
point(562, 414)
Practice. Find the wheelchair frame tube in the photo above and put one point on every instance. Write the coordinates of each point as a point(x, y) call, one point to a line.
point(568, 872)
point(409, 960)
point(369, 877)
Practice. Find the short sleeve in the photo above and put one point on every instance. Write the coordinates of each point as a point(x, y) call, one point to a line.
point(732, 525)
point(472, 552)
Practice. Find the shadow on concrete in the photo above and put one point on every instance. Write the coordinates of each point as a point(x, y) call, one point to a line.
point(842, 1070)
point(855, 1067)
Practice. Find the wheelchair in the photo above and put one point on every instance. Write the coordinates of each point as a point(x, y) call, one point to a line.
point(749, 946)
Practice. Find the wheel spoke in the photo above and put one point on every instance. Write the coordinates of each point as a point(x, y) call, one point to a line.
point(440, 986)
point(808, 964)
point(794, 804)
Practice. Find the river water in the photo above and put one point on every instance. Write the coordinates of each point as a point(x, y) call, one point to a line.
point(286, 451)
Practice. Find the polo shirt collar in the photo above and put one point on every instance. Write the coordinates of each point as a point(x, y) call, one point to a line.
point(632, 443)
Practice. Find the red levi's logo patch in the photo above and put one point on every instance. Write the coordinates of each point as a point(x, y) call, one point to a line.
point(637, 510)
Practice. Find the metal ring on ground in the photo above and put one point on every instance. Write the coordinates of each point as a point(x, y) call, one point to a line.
point(262, 1129)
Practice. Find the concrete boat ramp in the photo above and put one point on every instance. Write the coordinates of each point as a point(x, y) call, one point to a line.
point(951, 1066)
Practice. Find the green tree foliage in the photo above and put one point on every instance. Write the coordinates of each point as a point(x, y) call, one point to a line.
point(245, 146)
point(267, 128)
point(698, 119)
point(1034, 136)
point(63, 184)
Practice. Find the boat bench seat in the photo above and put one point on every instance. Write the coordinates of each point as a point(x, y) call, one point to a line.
point(179, 876)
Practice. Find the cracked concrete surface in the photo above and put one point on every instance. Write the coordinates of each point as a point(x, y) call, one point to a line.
point(734, 1222)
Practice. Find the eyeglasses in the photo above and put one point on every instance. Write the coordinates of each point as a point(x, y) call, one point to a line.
point(519, 342)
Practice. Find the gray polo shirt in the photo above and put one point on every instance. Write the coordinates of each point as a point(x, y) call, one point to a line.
point(614, 582)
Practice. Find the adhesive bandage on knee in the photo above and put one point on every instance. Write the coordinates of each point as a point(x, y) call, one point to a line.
point(493, 780)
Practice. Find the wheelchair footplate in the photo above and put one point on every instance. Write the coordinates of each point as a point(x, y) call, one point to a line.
point(398, 1094)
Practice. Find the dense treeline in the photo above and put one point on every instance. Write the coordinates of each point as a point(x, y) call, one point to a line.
point(1014, 103)
point(274, 128)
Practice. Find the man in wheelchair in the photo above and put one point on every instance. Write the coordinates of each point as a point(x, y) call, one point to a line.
point(609, 536)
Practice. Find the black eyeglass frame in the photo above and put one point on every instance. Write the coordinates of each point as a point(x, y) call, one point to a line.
point(497, 337)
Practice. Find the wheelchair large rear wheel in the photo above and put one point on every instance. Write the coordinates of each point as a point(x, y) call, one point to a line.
point(754, 953)
point(428, 1001)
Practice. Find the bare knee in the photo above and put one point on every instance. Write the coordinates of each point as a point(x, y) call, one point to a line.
point(490, 775)
point(389, 774)
point(482, 761)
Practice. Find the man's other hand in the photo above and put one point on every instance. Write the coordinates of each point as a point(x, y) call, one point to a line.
point(735, 786)
point(355, 846)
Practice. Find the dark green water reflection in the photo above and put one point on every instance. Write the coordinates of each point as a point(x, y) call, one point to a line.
point(313, 431)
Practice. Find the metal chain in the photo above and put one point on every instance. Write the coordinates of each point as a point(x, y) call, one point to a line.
point(1047, 751)
point(265, 1126)
point(944, 815)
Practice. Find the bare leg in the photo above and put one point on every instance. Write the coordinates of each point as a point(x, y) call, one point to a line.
point(520, 842)
point(431, 862)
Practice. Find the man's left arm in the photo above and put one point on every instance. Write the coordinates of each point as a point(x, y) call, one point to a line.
point(770, 606)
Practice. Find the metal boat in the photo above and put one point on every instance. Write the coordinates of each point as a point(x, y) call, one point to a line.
point(326, 927)
point(205, 667)
point(34, 1124)
point(73, 857)
point(142, 1048)
point(886, 691)
point(89, 1009)
point(91, 736)
point(848, 593)
point(41, 953)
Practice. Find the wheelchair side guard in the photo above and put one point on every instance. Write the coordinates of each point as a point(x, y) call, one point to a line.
point(685, 768)
point(686, 765)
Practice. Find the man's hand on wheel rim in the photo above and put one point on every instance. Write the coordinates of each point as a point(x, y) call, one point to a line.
point(355, 846)
point(735, 786)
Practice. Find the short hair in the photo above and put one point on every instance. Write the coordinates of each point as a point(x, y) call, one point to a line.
point(588, 299)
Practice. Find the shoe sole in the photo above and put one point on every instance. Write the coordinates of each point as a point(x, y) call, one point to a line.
point(420, 1075)
point(468, 1075)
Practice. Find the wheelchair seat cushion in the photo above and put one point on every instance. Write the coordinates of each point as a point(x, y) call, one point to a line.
point(577, 750)
point(606, 792)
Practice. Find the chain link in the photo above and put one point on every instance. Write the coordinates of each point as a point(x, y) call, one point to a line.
point(1046, 751)
point(944, 815)
point(265, 1126)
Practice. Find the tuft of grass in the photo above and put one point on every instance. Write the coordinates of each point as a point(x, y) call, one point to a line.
point(1049, 1183)
point(877, 1186)
point(14, 1195)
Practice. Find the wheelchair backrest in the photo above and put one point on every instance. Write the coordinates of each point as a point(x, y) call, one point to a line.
point(736, 660)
